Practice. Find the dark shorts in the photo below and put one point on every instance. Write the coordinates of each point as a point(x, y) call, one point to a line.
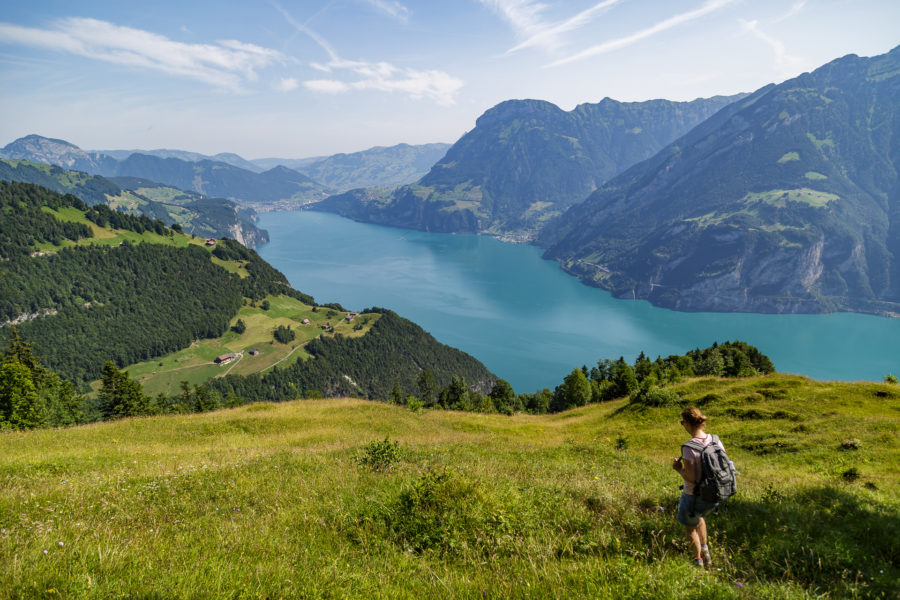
point(689, 505)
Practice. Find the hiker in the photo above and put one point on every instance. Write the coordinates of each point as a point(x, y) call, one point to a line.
point(692, 507)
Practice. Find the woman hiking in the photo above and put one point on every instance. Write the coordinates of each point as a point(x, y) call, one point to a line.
point(692, 508)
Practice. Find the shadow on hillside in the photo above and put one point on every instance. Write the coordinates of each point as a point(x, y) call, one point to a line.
point(822, 537)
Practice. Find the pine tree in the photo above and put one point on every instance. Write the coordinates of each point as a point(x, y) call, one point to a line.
point(20, 405)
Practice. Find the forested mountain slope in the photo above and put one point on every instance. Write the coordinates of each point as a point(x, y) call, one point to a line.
point(786, 201)
point(525, 161)
point(86, 285)
point(193, 213)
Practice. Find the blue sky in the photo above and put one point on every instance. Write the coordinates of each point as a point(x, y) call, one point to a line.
point(306, 78)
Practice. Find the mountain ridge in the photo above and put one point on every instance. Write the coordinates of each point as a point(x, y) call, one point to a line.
point(524, 162)
point(786, 201)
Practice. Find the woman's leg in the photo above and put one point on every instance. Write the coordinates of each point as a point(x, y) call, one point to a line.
point(693, 535)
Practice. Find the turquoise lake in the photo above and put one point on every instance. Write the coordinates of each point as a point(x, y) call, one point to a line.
point(528, 321)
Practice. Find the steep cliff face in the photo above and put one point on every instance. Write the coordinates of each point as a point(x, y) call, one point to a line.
point(246, 232)
point(786, 201)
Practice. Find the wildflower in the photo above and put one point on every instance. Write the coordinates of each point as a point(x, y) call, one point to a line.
point(61, 544)
point(44, 551)
point(739, 584)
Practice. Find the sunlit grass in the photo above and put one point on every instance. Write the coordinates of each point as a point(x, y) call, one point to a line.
point(270, 501)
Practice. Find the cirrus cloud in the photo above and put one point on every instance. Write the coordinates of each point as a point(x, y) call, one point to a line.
point(227, 64)
point(385, 77)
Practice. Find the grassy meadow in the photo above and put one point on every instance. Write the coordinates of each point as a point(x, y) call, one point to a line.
point(297, 500)
point(195, 363)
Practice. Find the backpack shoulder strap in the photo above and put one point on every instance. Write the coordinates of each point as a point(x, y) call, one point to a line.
point(694, 446)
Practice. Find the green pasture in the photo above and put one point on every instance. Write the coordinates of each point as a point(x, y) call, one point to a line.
point(297, 500)
point(780, 198)
point(110, 237)
point(195, 364)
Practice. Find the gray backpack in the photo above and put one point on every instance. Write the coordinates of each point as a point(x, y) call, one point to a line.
point(717, 480)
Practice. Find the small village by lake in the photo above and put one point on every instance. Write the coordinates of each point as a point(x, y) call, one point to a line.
point(528, 321)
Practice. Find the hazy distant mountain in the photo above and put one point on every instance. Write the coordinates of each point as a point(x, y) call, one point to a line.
point(207, 217)
point(36, 148)
point(277, 188)
point(225, 157)
point(526, 161)
point(379, 166)
point(786, 201)
point(291, 163)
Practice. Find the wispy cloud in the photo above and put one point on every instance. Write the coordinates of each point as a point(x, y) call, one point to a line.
point(527, 20)
point(381, 76)
point(523, 15)
point(622, 42)
point(302, 28)
point(385, 77)
point(393, 9)
point(227, 64)
point(786, 64)
point(795, 8)
point(549, 36)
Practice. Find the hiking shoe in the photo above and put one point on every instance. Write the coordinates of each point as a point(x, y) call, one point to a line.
point(697, 562)
point(707, 559)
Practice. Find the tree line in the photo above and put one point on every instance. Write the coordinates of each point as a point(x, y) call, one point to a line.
point(643, 382)
point(33, 396)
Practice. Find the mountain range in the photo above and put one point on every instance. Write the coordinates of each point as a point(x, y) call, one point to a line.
point(194, 213)
point(787, 200)
point(378, 166)
point(525, 162)
point(264, 184)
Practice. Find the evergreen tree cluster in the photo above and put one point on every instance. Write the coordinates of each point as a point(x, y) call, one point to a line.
point(23, 224)
point(264, 278)
point(394, 350)
point(642, 382)
point(284, 335)
point(125, 304)
point(104, 216)
point(32, 395)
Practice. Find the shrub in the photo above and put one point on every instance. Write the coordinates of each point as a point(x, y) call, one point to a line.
point(414, 404)
point(444, 512)
point(890, 378)
point(853, 444)
point(851, 474)
point(622, 443)
point(379, 455)
point(656, 397)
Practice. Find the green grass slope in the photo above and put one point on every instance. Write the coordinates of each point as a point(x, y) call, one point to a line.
point(268, 501)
